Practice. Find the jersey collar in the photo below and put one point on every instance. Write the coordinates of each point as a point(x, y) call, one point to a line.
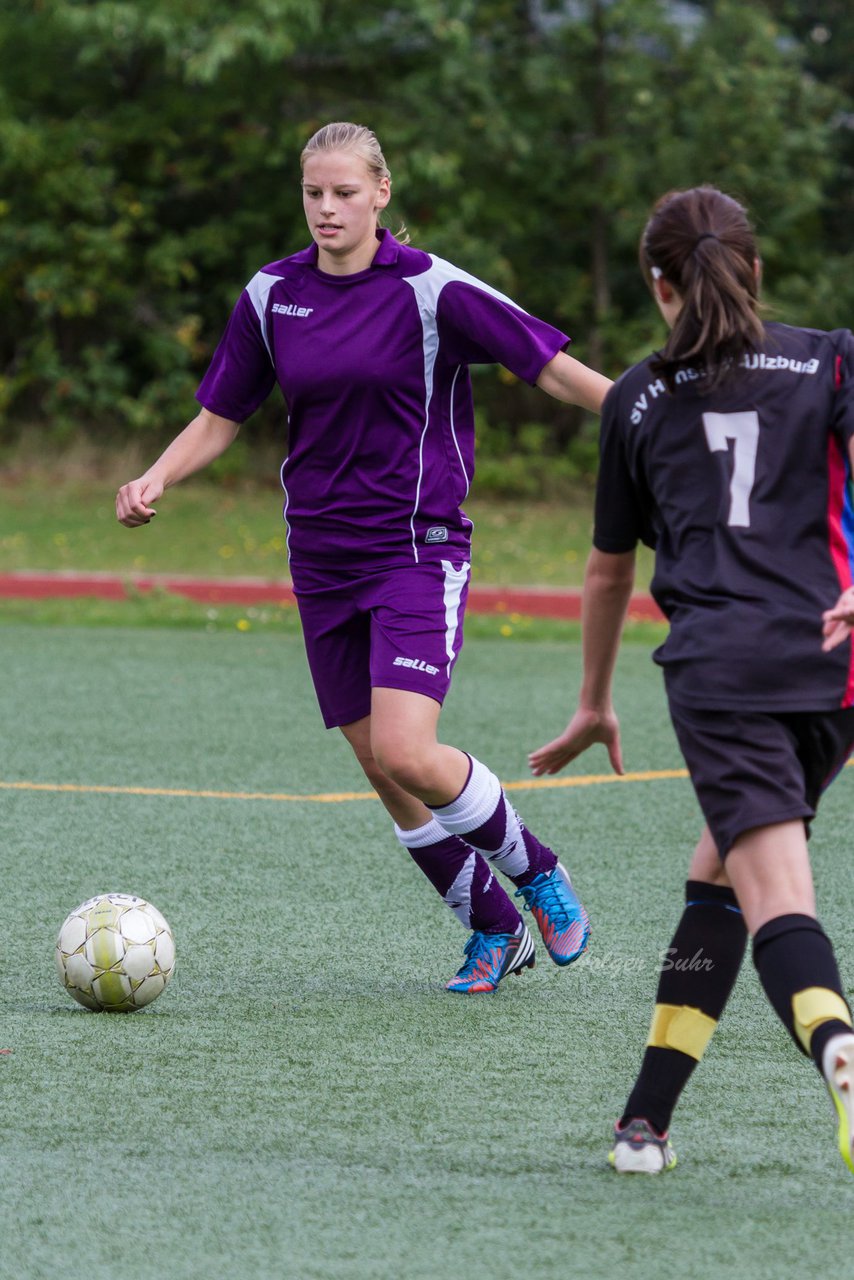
point(389, 250)
point(385, 256)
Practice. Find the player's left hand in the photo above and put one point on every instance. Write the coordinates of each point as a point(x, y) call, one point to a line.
point(838, 622)
point(584, 729)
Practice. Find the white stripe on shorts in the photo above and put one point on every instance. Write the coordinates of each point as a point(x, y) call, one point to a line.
point(455, 581)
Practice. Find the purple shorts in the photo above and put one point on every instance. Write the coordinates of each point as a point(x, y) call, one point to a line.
point(754, 769)
point(399, 628)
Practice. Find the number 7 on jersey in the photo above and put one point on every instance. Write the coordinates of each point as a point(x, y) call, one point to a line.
point(743, 430)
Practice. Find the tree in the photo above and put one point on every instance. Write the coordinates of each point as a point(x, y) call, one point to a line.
point(148, 166)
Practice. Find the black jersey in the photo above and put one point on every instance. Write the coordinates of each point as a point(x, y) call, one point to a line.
point(746, 495)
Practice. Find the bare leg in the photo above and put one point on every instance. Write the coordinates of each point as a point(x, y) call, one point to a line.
point(404, 743)
point(467, 800)
point(407, 811)
point(769, 868)
point(465, 796)
point(706, 864)
point(459, 875)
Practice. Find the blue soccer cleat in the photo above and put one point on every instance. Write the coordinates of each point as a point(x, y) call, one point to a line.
point(489, 958)
point(560, 916)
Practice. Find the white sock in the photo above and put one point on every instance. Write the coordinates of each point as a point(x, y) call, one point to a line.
point(474, 806)
point(419, 837)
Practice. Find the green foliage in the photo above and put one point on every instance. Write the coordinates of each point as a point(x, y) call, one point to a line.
point(526, 461)
point(148, 166)
point(126, 186)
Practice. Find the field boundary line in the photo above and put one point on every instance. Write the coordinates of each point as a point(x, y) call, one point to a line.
point(331, 797)
point(334, 797)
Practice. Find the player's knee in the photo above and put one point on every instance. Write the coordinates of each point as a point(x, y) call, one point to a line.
point(384, 760)
point(401, 763)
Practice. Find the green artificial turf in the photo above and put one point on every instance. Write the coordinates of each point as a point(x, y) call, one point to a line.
point(304, 1101)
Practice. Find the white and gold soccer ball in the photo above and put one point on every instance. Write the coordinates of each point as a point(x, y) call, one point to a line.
point(115, 953)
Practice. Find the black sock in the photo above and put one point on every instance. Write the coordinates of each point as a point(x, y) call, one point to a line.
point(797, 969)
point(698, 973)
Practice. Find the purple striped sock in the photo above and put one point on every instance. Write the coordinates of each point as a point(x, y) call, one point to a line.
point(483, 816)
point(462, 877)
point(490, 836)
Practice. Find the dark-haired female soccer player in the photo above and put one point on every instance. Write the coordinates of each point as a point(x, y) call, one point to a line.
point(731, 453)
point(370, 341)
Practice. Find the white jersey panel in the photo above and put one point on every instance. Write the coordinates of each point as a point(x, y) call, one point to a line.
point(258, 290)
point(427, 287)
point(430, 283)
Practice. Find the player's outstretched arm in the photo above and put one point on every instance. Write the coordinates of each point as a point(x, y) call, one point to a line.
point(202, 440)
point(608, 582)
point(569, 380)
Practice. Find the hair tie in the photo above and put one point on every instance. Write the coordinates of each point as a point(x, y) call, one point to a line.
point(706, 235)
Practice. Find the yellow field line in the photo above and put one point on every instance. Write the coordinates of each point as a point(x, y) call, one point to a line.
point(335, 797)
point(182, 792)
point(331, 797)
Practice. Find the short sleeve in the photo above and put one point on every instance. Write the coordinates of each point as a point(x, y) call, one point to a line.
point(241, 373)
point(618, 523)
point(843, 410)
point(479, 326)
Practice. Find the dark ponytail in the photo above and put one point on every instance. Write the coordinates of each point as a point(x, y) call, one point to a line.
point(703, 245)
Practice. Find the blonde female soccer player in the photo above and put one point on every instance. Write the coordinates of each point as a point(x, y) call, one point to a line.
point(370, 341)
point(731, 452)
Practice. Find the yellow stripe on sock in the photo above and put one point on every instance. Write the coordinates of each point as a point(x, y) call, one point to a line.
point(815, 1005)
point(678, 1026)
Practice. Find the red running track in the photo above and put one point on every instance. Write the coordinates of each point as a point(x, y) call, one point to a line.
point(536, 602)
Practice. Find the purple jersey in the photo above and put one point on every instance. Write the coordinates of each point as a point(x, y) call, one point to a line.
point(374, 371)
point(746, 495)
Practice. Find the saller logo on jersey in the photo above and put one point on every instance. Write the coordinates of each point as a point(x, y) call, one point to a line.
point(437, 534)
point(416, 664)
point(288, 309)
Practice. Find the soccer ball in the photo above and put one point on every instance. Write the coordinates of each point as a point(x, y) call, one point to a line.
point(115, 953)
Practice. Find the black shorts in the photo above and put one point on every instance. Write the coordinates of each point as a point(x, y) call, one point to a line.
point(753, 769)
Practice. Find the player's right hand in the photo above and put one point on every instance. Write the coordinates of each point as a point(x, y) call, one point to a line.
point(584, 729)
point(132, 501)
